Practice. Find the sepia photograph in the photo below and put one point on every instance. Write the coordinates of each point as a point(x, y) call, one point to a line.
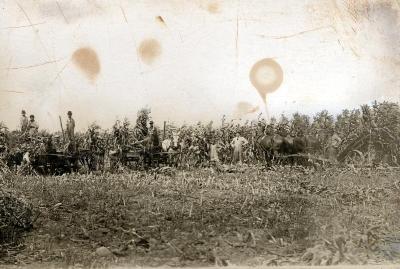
point(199, 133)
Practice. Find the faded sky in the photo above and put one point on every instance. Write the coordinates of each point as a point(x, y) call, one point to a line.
point(334, 54)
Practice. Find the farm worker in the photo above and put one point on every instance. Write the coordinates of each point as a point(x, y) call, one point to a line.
point(214, 153)
point(151, 127)
point(32, 127)
point(57, 141)
point(333, 145)
point(153, 134)
point(175, 141)
point(70, 127)
point(24, 121)
point(237, 143)
point(167, 144)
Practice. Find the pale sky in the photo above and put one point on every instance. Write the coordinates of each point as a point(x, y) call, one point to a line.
point(334, 54)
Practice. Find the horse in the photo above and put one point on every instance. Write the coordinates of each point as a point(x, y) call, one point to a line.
point(276, 145)
point(15, 159)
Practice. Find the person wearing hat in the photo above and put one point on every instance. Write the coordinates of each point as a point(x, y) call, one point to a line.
point(153, 134)
point(70, 127)
point(32, 127)
point(23, 121)
point(57, 141)
point(151, 126)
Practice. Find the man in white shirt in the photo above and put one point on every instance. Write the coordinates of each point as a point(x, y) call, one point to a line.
point(237, 143)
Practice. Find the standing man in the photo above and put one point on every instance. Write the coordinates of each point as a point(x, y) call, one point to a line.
point(152, 142)
point(32, 127)
point(24, 122)
point(70, 127)
point(237, 143)
point(153, 133)
point(151, 127)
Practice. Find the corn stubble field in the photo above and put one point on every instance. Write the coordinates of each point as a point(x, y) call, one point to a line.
point(253, 216)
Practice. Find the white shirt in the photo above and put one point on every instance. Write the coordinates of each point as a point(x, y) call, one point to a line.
point(70, 126)
point(166, 144)
point(213, 153)
point(32, 127)
point(238, 142)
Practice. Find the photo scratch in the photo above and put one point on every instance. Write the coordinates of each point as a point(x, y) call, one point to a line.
point(11, 91)
point(62, 12)
point(33, 28)
point(22, 26)
point(123, 13)
point(32, 66)
point(299, 33)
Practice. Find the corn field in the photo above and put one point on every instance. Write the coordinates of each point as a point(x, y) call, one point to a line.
point(369, 134)
point(202, 216)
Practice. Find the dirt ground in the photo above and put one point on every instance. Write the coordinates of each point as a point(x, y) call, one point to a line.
point(249, 217)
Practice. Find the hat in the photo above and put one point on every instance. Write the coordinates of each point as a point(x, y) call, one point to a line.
point(69, 113)
point(31, 116)
point(151, 121)
point(23, 112)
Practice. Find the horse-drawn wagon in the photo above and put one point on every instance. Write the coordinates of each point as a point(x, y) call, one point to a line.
point(298, 150)
point(138, 156)
point(38, 155)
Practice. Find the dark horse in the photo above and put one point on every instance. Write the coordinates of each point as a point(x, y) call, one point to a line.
point(275, 146)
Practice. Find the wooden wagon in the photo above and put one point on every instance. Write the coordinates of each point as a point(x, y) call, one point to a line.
point(54, 163)
point(138, 157)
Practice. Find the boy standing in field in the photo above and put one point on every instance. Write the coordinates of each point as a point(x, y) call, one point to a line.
point(32, 127)
point(237, 143)
point(214, 146)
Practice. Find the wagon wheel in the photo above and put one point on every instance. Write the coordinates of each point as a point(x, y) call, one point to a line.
point(355, 157)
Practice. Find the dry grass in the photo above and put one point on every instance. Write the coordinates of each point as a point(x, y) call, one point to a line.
point(201, 217)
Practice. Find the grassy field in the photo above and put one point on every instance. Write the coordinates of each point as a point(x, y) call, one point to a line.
point(253, 216)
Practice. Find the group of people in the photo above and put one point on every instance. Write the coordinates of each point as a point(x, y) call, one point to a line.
point(238, 143)
point(211, 147)
point(28, 126)
point(31, 127)
point(214, 148)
